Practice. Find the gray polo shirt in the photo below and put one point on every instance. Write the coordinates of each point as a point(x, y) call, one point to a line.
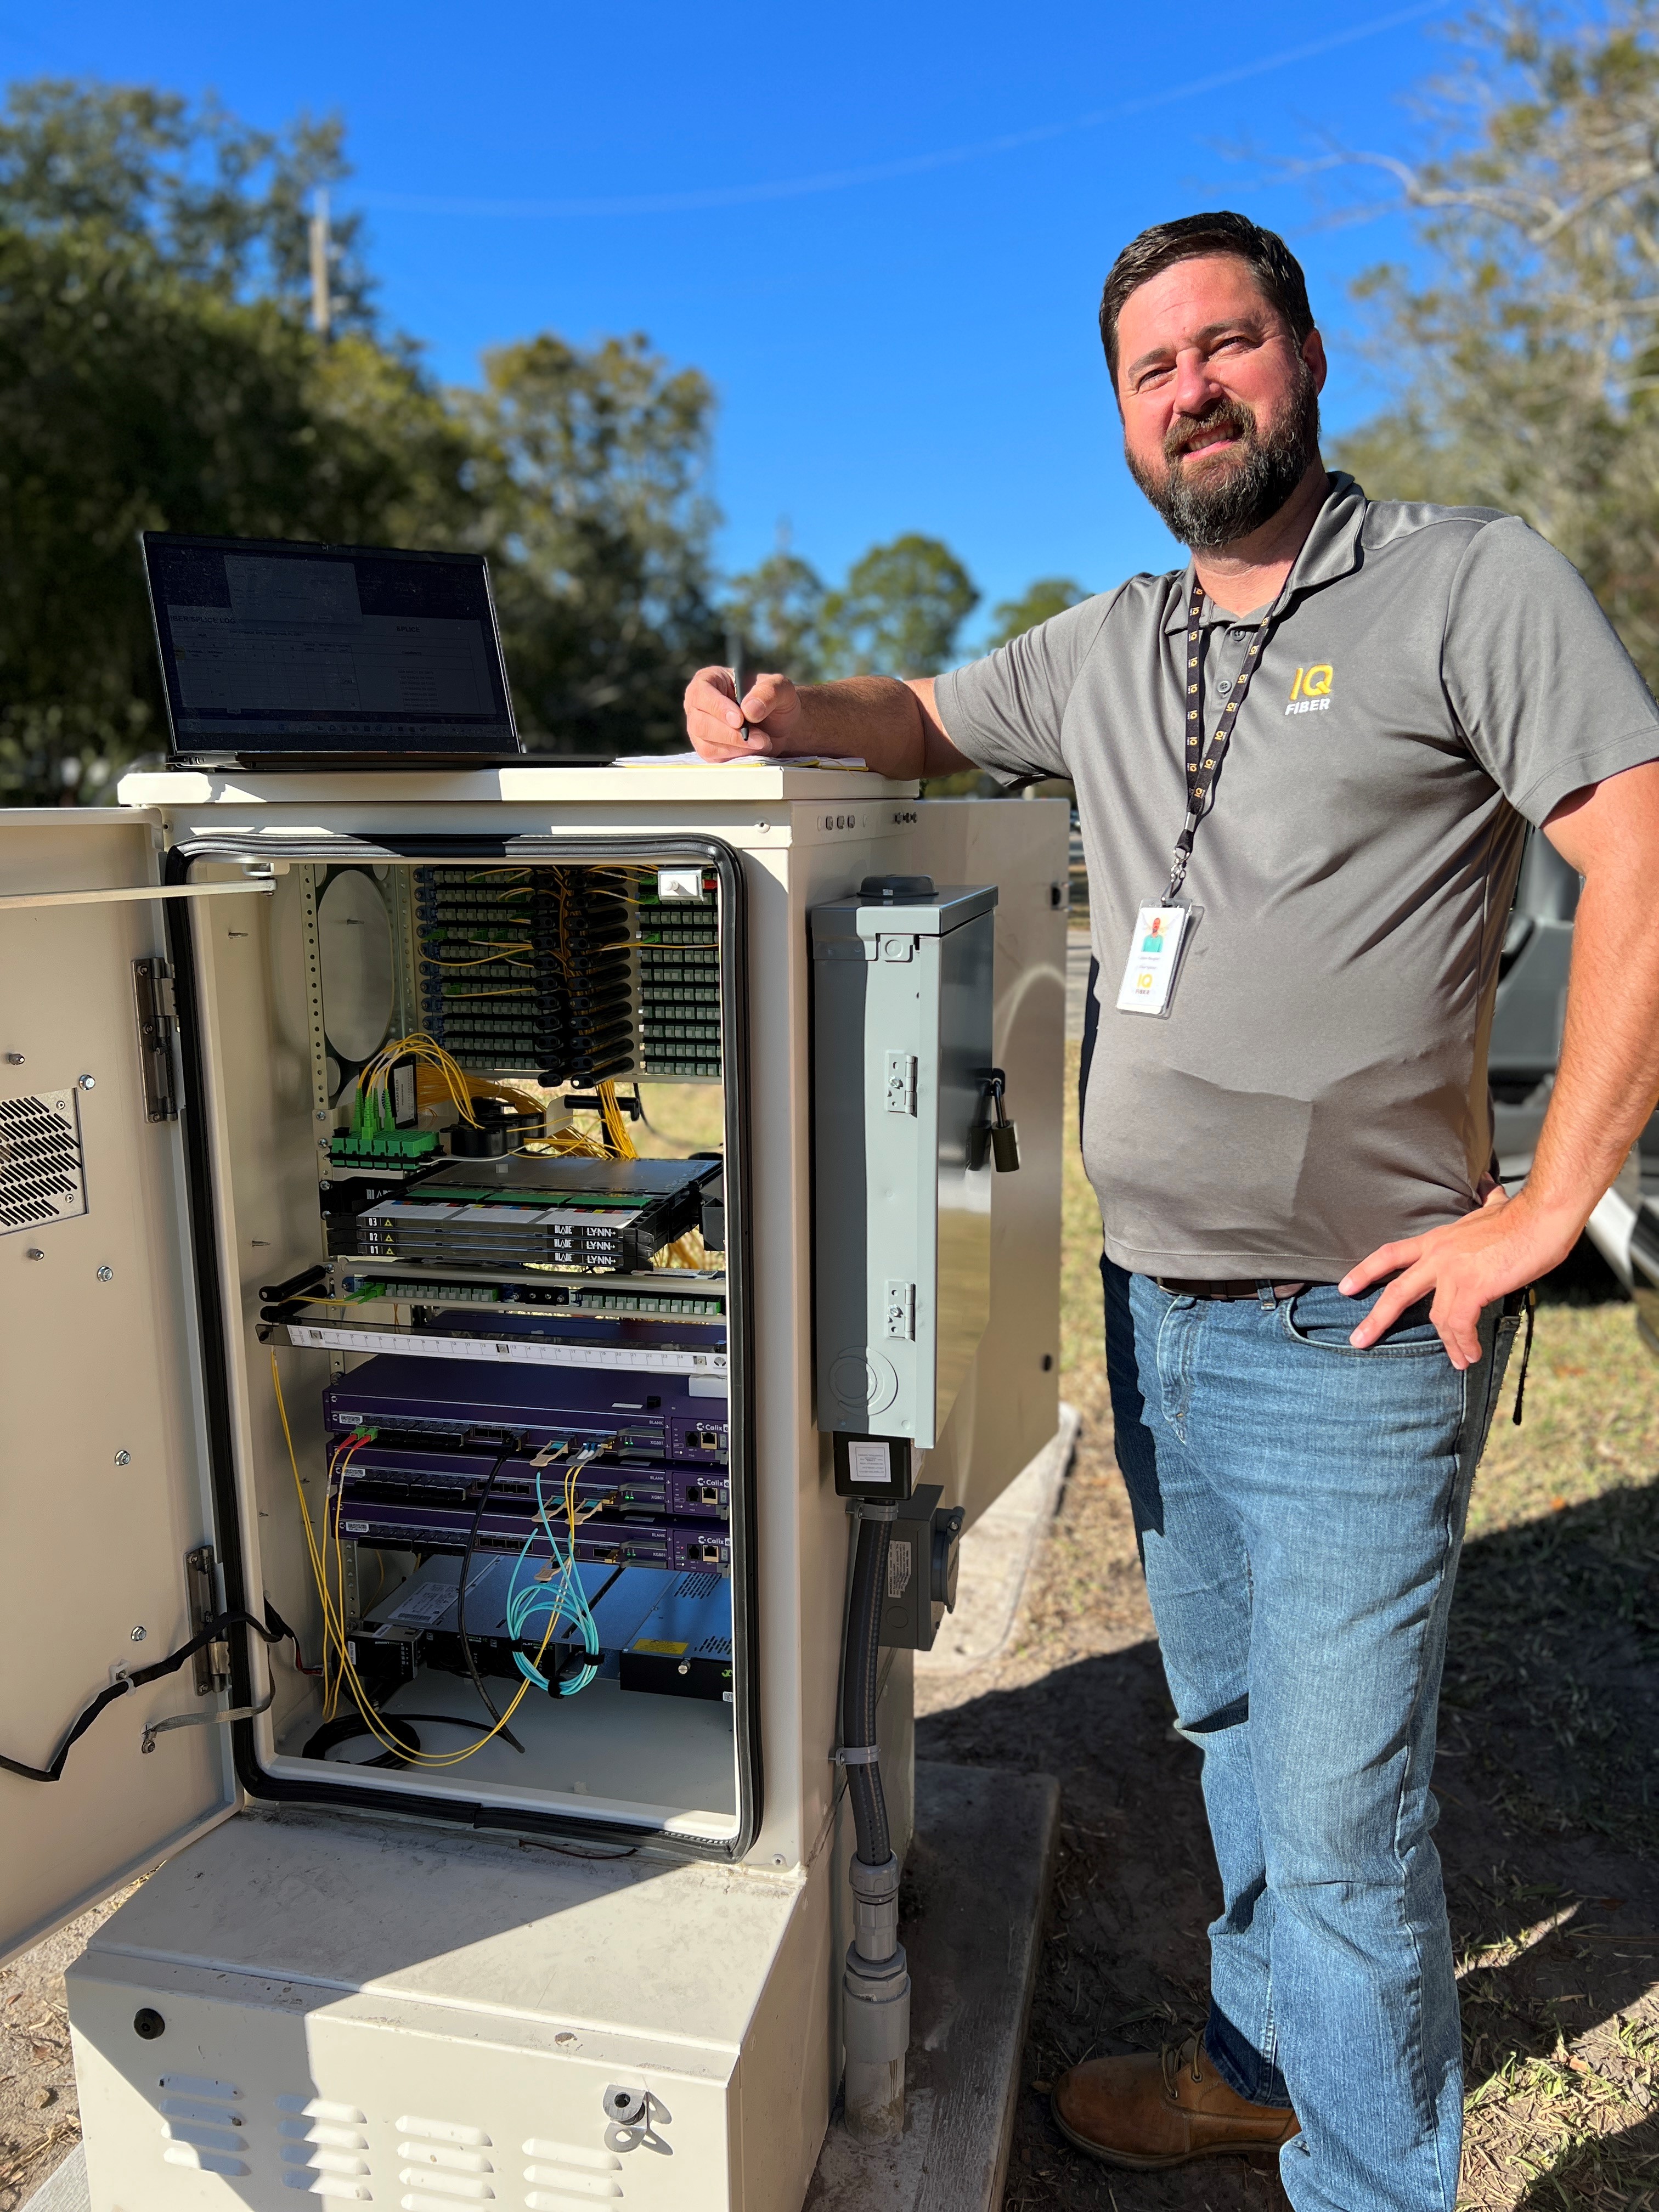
point(1440, 676)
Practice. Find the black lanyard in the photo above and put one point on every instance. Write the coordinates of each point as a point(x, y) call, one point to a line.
point(1204, 766)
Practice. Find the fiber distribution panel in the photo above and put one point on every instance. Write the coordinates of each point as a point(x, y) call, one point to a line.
point(679, 980)
point(578, 975)
point(529, 969)
point(612, 1215)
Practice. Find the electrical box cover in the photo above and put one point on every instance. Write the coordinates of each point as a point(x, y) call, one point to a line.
point(902, 1169)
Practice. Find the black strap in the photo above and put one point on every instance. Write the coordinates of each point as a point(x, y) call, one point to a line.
point(1090, 1037)
point(1531, 1295)
point(1204, 762)
point(273, 1629)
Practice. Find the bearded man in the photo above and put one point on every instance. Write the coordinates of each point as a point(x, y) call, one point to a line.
point(1309, 758)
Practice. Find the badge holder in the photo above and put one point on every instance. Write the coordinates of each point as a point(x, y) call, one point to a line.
point(1164, 929)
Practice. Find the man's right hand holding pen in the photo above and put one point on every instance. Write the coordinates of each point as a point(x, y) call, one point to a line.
point(892, 727)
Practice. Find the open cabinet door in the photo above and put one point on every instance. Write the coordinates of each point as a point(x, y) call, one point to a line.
point(103, 1487)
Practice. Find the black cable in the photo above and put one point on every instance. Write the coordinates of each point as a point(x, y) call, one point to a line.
point(273, 1629)
point(436, 1720)
point(576, 1851)
point(350, 1725)
point(860, 1674)
point(460, 1605)
point(306, 1279)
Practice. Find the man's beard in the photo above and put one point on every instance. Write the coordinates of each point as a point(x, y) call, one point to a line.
point(1234, 492)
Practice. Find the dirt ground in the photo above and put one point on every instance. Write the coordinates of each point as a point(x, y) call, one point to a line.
point(1548, 1779)
point(39, 2118)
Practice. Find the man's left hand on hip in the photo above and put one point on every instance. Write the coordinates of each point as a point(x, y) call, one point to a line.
point(1505, 1243)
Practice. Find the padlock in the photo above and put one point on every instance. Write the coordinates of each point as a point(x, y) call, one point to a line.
point(1004, 1137)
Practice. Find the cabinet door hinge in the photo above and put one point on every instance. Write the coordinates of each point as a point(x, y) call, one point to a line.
point(212, 1662)
point(152, 984)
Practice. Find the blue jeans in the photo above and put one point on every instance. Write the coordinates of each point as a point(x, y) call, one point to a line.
point(1300, 1507)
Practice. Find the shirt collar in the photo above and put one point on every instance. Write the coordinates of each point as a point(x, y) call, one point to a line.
point(1330, 549)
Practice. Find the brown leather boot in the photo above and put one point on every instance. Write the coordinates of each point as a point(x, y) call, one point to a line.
point(1163, 2108)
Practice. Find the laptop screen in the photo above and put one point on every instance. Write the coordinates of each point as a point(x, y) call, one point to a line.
point(274, 649)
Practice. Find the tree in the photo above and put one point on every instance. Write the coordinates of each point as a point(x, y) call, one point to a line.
point(156, 371)
point(197, 193)
point(900, 609)
point(1526, 371)
point(130, 400)
point(776, 610)
point(897, 614)
point(590, 467)
point(1039, 603)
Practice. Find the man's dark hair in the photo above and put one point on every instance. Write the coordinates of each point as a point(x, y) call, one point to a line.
point(1276, 270)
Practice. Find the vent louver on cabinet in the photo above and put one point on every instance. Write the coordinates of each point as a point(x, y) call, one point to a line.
point(201, 2128)
point(41, 1176)
point(325, 2148)
point(564, 2175)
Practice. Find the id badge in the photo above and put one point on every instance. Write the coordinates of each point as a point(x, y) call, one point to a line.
point(1149, 974)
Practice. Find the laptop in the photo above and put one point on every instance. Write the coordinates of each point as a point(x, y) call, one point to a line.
point(278, 654)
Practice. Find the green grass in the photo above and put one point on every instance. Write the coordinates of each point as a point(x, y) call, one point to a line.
point(684, 1117)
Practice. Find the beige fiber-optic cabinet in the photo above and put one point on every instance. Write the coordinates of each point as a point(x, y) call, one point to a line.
point(407, 1220)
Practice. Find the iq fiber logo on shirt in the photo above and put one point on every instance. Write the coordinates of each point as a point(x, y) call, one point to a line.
point(1311, 694)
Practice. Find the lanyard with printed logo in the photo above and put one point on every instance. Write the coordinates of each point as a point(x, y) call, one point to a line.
point(1164, 927)
point(1204, 762)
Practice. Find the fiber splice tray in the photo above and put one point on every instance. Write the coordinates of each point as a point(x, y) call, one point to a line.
point(611, 1215)
point(203, 1319)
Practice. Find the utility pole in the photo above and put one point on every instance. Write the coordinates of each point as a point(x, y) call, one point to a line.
point(322, 255)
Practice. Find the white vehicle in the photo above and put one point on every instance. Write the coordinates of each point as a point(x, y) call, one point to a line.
point(1526, 1044)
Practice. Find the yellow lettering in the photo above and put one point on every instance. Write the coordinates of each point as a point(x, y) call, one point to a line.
point(1296, 688)
point(1318, 683)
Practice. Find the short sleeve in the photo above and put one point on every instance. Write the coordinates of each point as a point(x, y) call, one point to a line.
point(1546, 695)
point(1006, 711)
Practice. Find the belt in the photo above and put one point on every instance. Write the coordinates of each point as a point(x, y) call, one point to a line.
point(1180, 1286)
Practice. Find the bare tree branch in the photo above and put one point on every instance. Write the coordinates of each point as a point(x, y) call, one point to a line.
point(1527, 368)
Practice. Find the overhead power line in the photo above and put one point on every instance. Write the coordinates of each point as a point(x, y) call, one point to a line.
point(835, 180)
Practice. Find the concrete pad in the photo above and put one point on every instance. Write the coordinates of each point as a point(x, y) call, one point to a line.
point(996, 1557)
point(976, 1891)
point(66, 2189)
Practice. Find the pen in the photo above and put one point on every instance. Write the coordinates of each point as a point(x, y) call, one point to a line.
point(737, 694)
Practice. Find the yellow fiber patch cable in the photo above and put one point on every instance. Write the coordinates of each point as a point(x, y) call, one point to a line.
point(334, 1632)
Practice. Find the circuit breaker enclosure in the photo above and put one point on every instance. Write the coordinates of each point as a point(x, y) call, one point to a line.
point(902, 1000)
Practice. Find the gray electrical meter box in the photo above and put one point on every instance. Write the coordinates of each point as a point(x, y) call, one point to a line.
point(901, 981)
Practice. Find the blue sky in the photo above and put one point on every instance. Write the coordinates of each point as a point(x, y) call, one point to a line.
point(881, 231)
